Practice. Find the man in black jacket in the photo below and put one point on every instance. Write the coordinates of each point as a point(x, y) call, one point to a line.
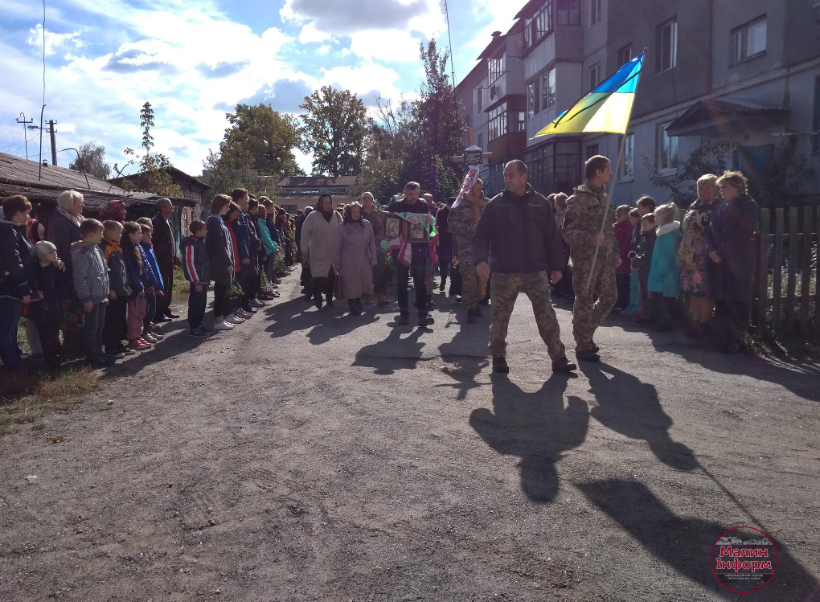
point(518, 230)
point(165, 249)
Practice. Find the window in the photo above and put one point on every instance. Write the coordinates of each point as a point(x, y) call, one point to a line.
point(593, 75)
point(628, 169)
point(496, 183)
point(749, 41)
point(592, 150)
point(496, 66)
point(668, 147)
point(498, 121)
point(534, 97)
point(538, 25)
point(624, 55)
point(481, 141)
point(569, 12)
point(815, 140)
point(667, 46)
point(520, 123)
point(548, 89)
point(594, 12)
point(479, 100)
point(554, 167)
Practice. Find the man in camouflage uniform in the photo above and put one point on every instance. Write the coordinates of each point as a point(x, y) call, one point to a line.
point(462, 222)
point(582, 231)
point(518, 230)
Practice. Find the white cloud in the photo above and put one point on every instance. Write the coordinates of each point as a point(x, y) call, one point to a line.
point(397, 46)
point(323, 49)
point(53, 40)
point(364, 79)
point(310, 34)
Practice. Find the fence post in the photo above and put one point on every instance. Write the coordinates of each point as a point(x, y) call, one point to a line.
point(778, 268)
point(763, 272)
point(791, 281)
point(805, 272)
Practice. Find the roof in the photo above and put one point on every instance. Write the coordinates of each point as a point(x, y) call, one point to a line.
point(498, 39)
point(529, 8)
point(316, 181)
point(177, 173)
point(19, 176)
point(718, 116)
point(474, 74)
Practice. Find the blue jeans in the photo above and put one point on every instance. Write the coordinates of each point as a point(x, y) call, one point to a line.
point(10, 311)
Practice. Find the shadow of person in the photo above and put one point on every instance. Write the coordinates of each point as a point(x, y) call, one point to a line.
point(535, 427)
point(685, 544)
point(393, 353)
point(296, 314)
point(632, 408)
point(338, 326)
point(467, 353)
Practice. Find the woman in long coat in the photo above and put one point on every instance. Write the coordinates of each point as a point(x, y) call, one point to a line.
point(220, 259)
point(732, 230)
point(355, 257)
point(318, 246)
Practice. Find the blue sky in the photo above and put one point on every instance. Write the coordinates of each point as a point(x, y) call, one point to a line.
point(195, 59)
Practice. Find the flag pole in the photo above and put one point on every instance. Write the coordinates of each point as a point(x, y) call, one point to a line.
point(615, 175)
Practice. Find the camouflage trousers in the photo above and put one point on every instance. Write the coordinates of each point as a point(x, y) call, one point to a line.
point(469, 282)
point(536, 286)
point(588, 313)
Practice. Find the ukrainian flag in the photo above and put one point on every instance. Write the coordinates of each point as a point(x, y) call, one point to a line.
point(604, 110)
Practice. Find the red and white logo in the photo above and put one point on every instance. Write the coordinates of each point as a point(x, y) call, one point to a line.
point(744, 559)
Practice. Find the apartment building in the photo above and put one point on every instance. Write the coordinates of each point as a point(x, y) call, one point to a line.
point(740, 71)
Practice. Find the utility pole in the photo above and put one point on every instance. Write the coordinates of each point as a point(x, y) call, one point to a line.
point(51, 132)
point(24, 123)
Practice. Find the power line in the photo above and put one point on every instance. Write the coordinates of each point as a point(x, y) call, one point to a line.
point(40, 162)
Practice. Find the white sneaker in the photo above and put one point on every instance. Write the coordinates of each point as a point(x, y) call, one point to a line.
point(234, 319)
point(245, 315)
point(223, 326)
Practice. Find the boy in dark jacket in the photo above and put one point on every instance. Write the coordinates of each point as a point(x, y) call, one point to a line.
point(54, 289)
point(153, 278)
point(641, 259)
point(195, 267)
point(115, 314)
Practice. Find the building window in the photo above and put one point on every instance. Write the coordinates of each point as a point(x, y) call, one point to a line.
point(594, 12)
point(548, 89)
point(749, 40)
point(496, 183)
point(520, 123)
point(496, 66)
point(667, 45)
point(815, 140)
point(479, 100)
point(498, 121)
point(481, 141)
point(567, 174)
point(534, 97)
point(592, 150)
point(624, 55)
point(593, 76)
point(628, 169)
point(569, 12)
point(668, 150)
point(538, 25)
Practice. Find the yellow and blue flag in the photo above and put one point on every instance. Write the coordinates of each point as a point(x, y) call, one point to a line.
point(604, 110)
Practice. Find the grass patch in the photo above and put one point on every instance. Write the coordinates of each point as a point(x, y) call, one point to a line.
point(182, 288)
point(29, 398)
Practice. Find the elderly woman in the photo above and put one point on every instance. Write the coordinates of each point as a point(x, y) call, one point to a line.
point(732, 229)
point(19, 281)
point(375, 216)
point(693, 254)
point(355, 257)
point(318, 247)
point(64, 224)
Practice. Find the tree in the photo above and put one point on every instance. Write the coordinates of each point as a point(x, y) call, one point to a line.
point(334, 131)
point(91, 160)
point(153, 175)
point(385, 145)
point(262, 139)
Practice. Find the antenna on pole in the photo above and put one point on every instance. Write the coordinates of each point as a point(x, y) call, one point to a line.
point(24, 123)
point(450, 42)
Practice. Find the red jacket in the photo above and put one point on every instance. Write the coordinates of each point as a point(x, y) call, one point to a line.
point(623, 234)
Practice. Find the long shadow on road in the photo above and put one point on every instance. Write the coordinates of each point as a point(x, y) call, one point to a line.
point(535, 427)
point(685, 544)
point(466, 352)
point(323, 325)
point(393, 353)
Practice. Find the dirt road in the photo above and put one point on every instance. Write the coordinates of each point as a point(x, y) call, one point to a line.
point(312, 456)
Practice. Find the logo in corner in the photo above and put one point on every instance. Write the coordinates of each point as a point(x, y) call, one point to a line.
point(744, 559)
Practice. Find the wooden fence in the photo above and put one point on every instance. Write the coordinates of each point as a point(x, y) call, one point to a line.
point(786, 294)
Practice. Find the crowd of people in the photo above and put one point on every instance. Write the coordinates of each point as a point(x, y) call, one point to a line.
point(108, 284)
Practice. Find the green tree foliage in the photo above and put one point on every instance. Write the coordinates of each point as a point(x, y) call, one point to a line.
point(153, 175)
point(91, 160)
point(334, 131)
point(387, 134)
point(257, 150)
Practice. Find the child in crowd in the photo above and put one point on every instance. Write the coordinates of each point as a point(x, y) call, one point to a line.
point(623, 235)
point(115, 314)
point(136, 277)
point(641, 260)
point(634, 278)
point(91, 285)
point(664, 274)
point(54, 288)
point(195, 267)
point(153, 279)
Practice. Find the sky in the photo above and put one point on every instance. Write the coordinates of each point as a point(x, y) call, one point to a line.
point(194, 60)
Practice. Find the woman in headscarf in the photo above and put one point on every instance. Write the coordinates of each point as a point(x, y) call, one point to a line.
point(355, 257)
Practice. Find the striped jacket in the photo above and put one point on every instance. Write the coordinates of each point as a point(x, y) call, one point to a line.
point(195, 260)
